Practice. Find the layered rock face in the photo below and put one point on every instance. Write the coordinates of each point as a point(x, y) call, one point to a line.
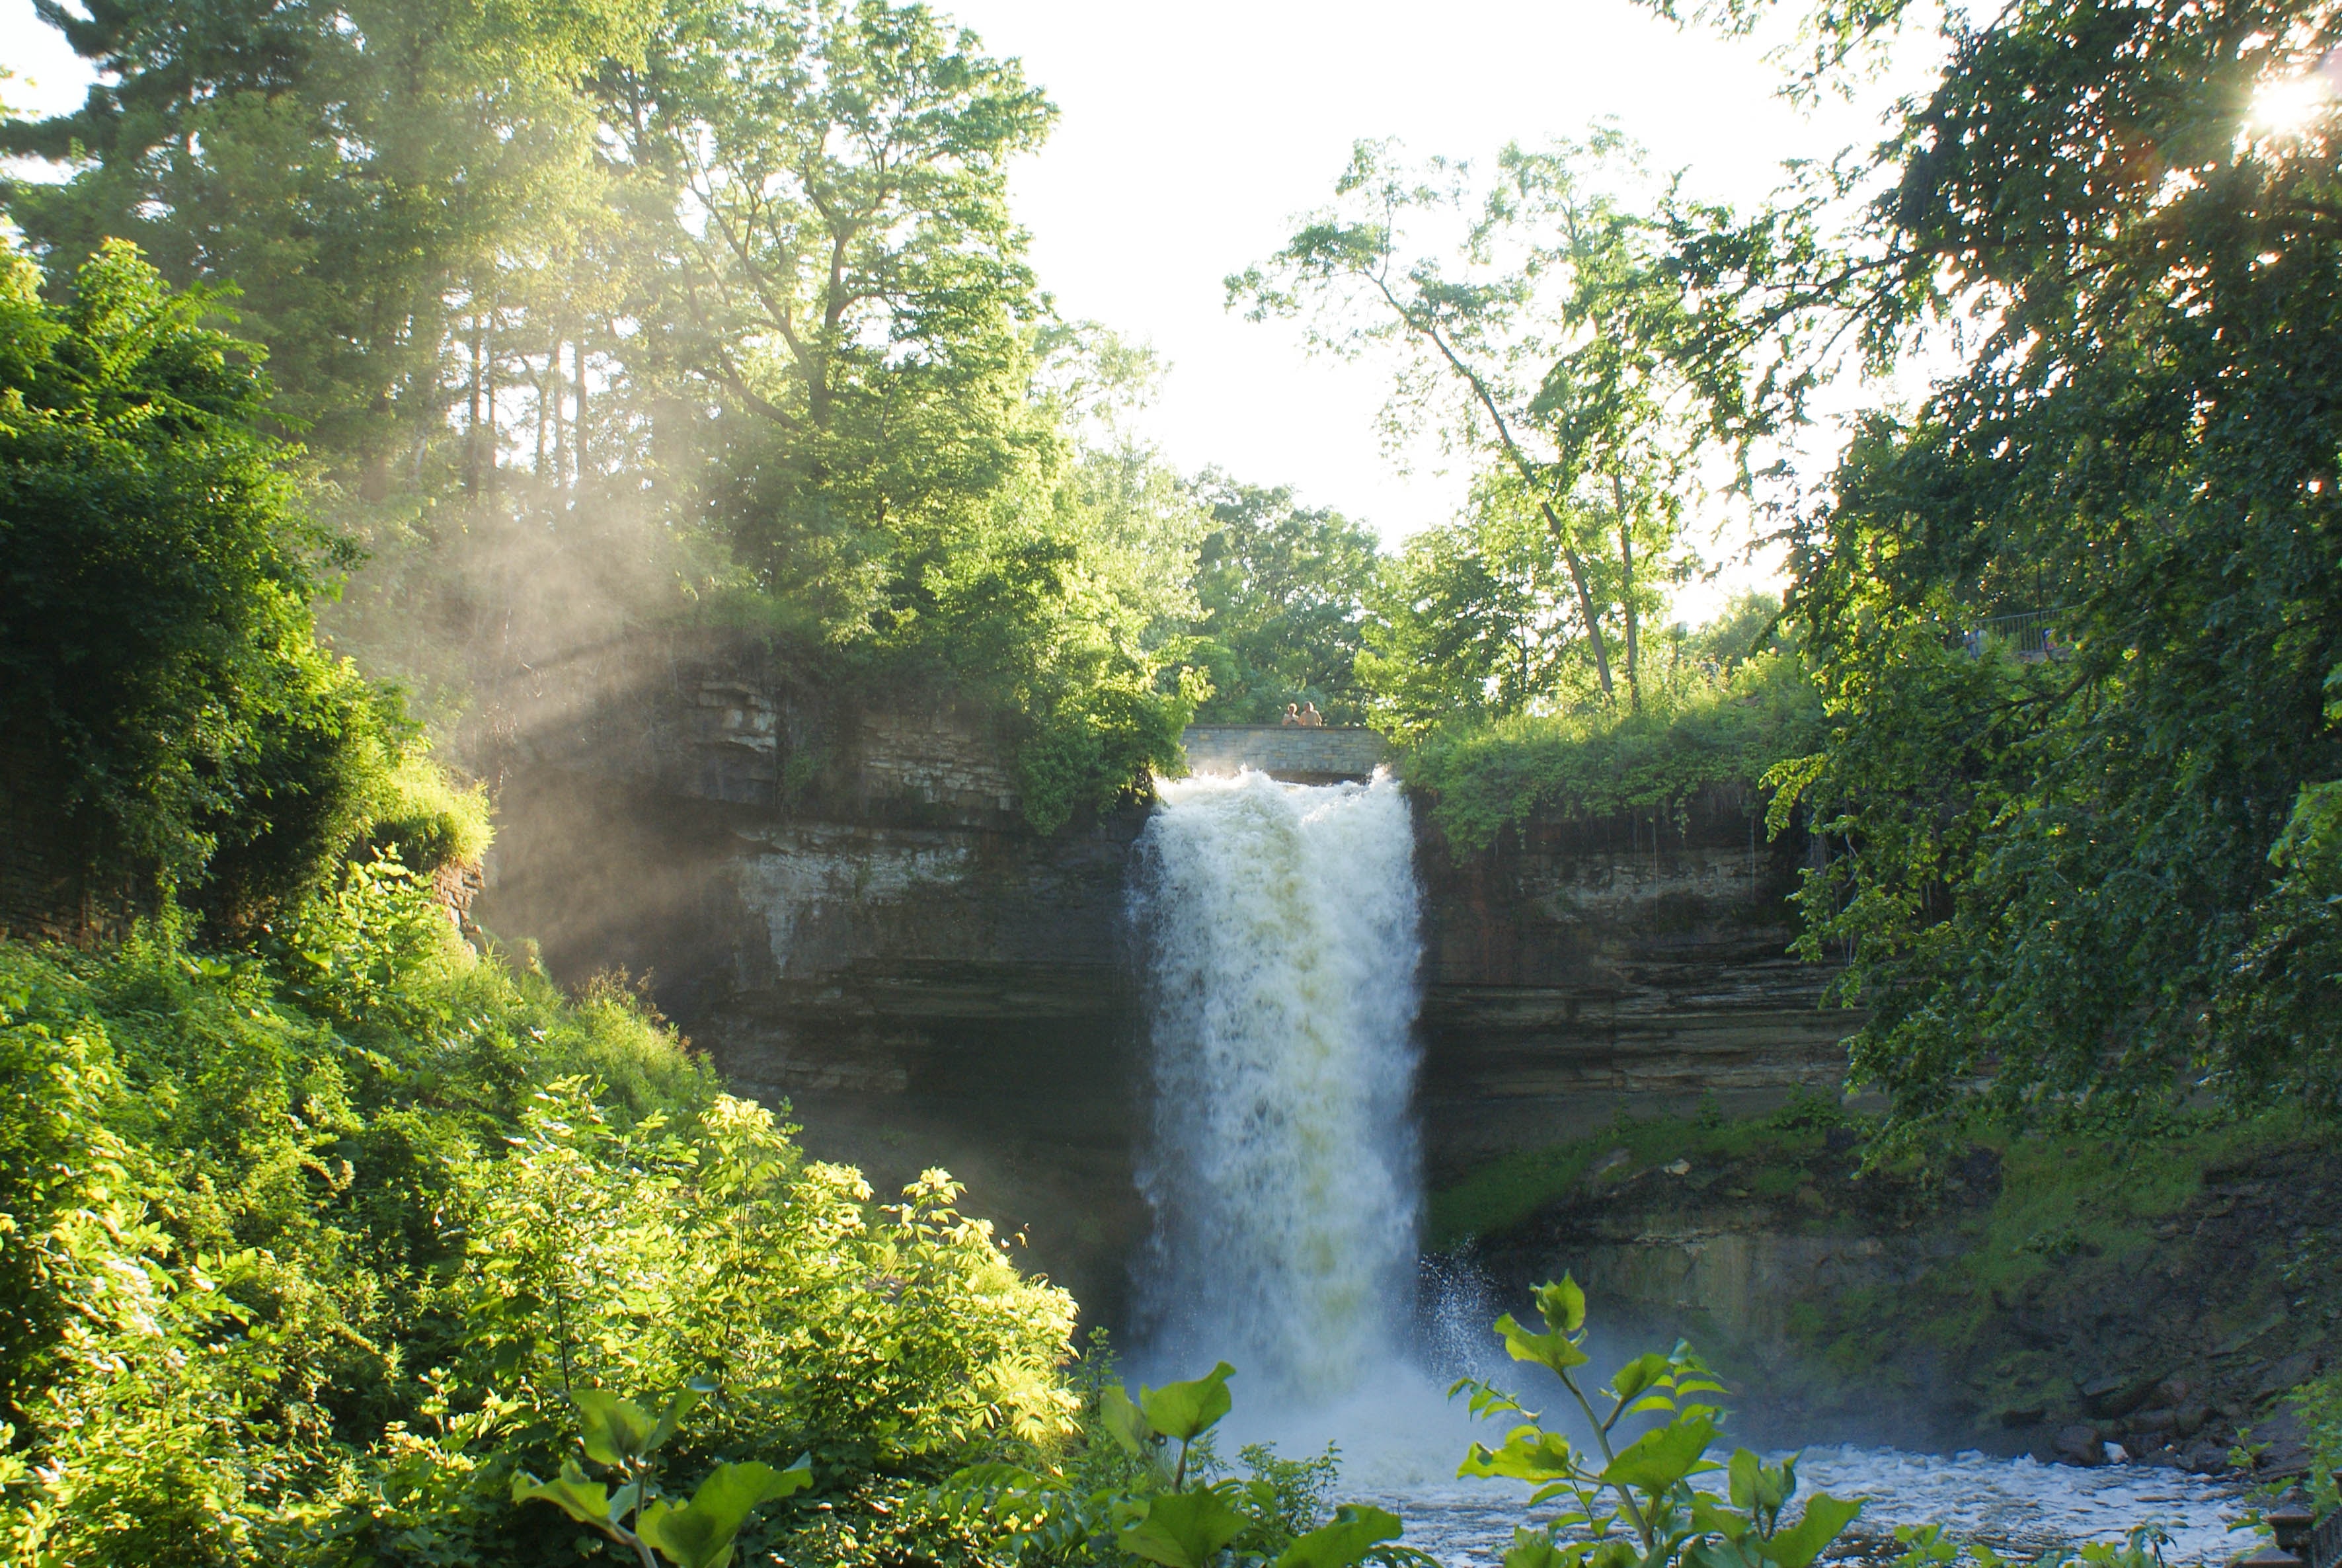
point(846, 909)
point(1585, 969)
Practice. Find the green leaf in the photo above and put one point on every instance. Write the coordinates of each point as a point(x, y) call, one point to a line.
point(686, 1399)
point(1355, 1529)
point(588, 1501)
point(701, 1535)
point(1535, 1549)
point(1188, 1410)
point(1710, 1517)
point(1825, 1516)
point(1555, 1349)
point(1642, 1372)
point(1562, 1305)
point(1183, 1528)
point(1743, 1474)
point(1487, 1400)
point(1662, 1456)
point(1125, 1421)
point(616, 1431)
point(1530, 1453)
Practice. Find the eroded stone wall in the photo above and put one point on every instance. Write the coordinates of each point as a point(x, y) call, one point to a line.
point(1577, 970)
point(847, 909)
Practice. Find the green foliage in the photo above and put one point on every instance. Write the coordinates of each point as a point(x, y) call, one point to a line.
point(1471, 623)
point(1632, 1500)
point(652, 1255)
point(1126, 1494)
point(1697, 731)
point(159, 662)
point(1283, 592)
point(619, 1435)
point(304, 1257)
point(751, 270)
point(1926, 1546)
point(1557, 342)
point(1493, 1199)
point(2058, 888)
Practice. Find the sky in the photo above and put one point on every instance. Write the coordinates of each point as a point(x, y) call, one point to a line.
point(1192, 134)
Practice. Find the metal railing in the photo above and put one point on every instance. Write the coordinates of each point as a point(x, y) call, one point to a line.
point(2029, 637)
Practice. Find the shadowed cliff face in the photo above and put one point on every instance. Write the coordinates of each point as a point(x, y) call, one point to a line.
point(1583, 970)
point(845, 910)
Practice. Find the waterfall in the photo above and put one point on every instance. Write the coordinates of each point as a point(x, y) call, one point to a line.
point(1279, 924)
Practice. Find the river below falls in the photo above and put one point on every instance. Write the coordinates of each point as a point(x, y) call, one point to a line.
point(2017, 1506)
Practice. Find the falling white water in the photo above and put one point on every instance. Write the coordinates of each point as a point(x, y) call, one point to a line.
point(1279, 928)
point(1279, 924)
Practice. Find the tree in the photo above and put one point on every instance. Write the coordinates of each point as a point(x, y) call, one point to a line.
point(1470, 622)
point(155, 646)
point(848, 271)
point(1551, 346)
point(1283, 592)
point(2080, 875)
point(349, 167)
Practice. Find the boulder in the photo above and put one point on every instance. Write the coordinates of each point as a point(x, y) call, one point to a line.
point(2079, 1444)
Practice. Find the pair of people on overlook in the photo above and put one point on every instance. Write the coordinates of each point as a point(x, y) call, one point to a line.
point(1309, 716)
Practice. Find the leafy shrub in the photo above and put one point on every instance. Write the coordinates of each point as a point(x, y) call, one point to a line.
point(303, 1254)
point(1591, 766)
point(1629, 1499)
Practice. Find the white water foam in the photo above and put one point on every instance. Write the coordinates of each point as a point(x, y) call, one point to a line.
point(1279, 923)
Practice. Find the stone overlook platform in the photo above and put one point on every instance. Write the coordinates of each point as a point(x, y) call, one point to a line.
point(1295, 753)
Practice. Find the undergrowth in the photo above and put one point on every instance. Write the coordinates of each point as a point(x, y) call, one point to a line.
point(1593, 765)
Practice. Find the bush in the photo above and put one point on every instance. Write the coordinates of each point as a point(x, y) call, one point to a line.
point(1706, 731)
point(157, 657)
point(301, 1251)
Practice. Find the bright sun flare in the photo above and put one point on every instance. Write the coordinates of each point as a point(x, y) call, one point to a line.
point(2291, 104)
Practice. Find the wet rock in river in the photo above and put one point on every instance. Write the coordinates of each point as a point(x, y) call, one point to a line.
point(2079, 1444)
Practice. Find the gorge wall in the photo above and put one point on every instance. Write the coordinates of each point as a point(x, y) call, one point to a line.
point(842, 904)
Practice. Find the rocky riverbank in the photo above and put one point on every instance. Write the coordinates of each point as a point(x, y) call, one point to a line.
point(2086, 1302)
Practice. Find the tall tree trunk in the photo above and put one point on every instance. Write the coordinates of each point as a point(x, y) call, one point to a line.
point(488, 400)
point(544, 412)
point(1431, 334)
point(581, 451)
point(472, 424)
point(1626, 588)
point(557, 393)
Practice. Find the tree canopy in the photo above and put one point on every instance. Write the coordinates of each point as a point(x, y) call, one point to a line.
point(2082, 873)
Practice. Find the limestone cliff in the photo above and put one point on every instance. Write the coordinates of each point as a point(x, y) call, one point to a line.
point(842, 905)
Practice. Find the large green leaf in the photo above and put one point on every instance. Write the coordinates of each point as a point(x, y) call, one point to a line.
point(616, 1431)
point(1555, 1349)
point(1535, 1549)
point(1183, 1528)
point(1643, 1373)
point(701, 1534)
point(1125, 1421)
point(1662, 1456)
point(1563, 1305)
point(1825, 1516)
point(688, 1399)
point(1188, 1410)
point(1530, 1453)
point(588, 1501)
point(1741, 1475)
point(1356, 1529)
